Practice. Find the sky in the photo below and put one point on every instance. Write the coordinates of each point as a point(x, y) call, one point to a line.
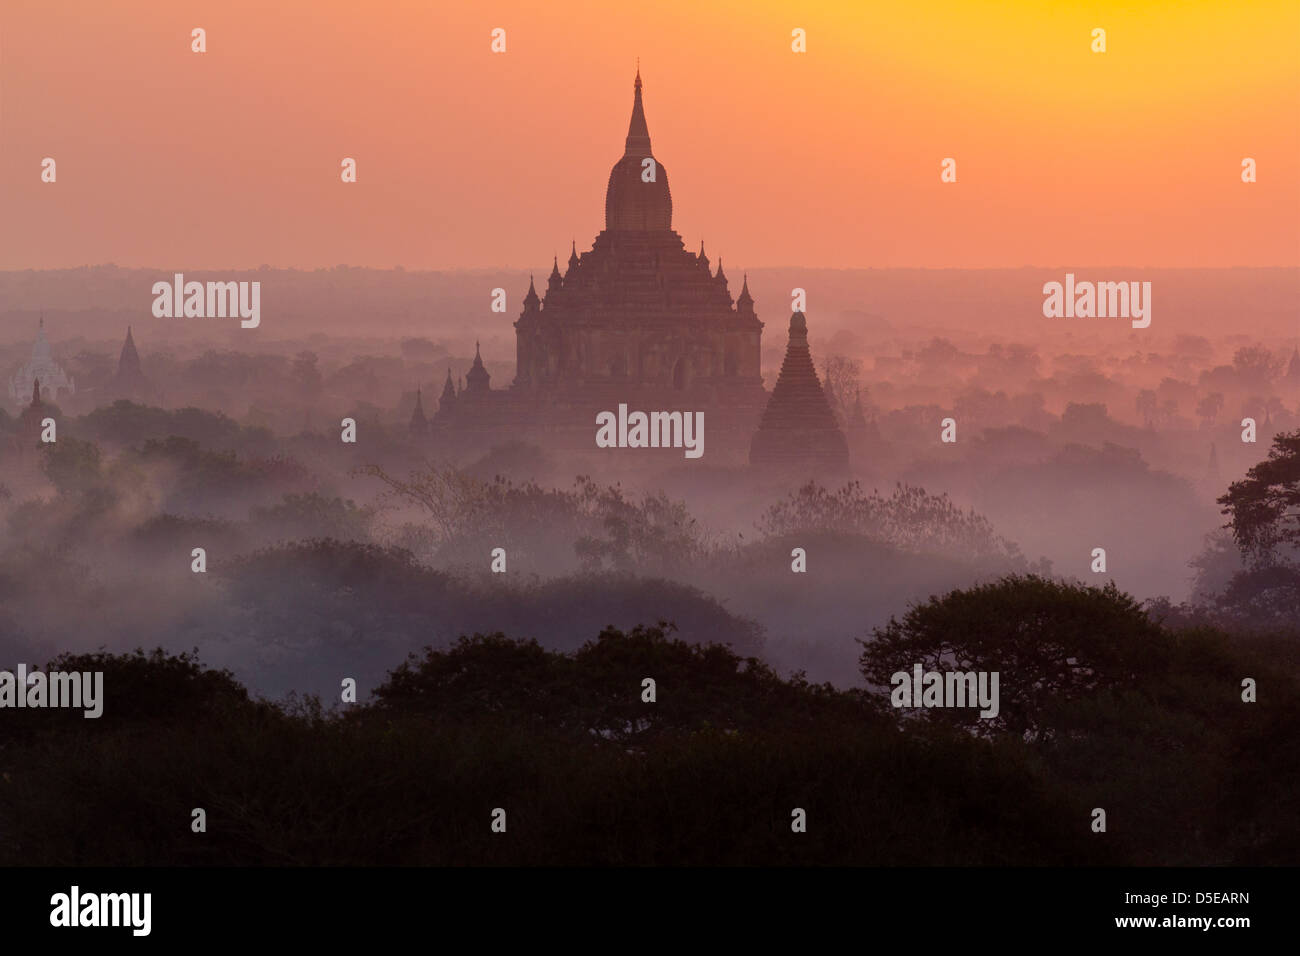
point(471, 159)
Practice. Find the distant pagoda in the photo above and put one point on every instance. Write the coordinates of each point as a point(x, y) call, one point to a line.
point(129, 382)
point(447, 403)
point(798, 430)
point(27, 434)
point(41, 366)
point(419, 425)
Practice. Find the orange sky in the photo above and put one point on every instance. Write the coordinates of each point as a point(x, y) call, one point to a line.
point(466, 159)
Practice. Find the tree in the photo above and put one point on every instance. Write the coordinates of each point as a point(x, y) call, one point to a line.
point(1253, 407)
point(841, 380)
point(1274, 407)
point(1086, 419)
point(938, 352)
point(1216, 565)
point(312, 515)
point(604, 528)
point(1146, 406)
point(306, 374)
point(127, 423)
point(92, 368)
point(594, 694)
point(1050, 641)
point(71, 465)
point(1255, 364)
point(1194, 347)
point(910, 519)
point(1169, 411)
point(1208, 408)
point(1264, 507)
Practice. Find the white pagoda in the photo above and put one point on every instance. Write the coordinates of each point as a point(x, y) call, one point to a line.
point(41, 367)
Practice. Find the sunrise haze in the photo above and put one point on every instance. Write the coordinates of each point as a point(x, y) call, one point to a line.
point(470, 159)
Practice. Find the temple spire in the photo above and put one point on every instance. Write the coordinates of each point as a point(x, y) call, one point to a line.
point(573, 256)
point(637, 198)
point(419, 423)
point(745, 301)
point(531, 302)
point(638, 133)
point(477, 378)
point(128, 361)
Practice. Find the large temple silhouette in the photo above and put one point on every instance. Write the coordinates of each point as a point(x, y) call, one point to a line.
point(638, 309)
point(637, 319)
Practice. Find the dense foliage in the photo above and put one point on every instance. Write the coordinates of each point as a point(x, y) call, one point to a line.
point(709, 773)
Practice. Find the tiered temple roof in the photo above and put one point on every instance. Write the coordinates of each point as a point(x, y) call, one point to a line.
point(638, 308)
point(641, 273)
point(798, 429)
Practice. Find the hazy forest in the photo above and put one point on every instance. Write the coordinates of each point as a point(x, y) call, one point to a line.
point(370, 561)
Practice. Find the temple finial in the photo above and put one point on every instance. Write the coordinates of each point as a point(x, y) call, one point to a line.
point(745, 302)
point(638, 132)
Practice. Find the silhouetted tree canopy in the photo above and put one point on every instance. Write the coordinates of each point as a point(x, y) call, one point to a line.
point(1264, 507)
point(909, 519)
point(1050, 641)
point(597, 690)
